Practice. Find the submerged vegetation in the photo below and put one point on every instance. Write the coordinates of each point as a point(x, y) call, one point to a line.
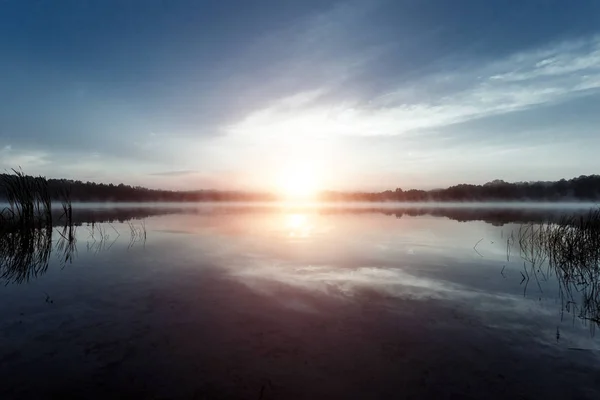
point(570, 248)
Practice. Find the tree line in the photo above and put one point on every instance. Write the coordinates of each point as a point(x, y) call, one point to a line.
point(582, 188)
point(101, 192)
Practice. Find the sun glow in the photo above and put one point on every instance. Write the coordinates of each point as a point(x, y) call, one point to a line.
point(299, 182)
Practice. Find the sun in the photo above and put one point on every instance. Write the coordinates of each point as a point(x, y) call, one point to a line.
point(298, 182)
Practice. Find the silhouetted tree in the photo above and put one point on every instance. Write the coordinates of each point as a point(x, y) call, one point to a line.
point(582, 188)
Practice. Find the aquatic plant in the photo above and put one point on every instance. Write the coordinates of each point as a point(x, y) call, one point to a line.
point(67, 244)
point(24, 253)
point(29, 200)
point(570, 248)
point(138, 234)
point(65, 196)
point(26, 227)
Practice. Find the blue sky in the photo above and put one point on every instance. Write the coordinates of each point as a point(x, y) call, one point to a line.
point(350, 94)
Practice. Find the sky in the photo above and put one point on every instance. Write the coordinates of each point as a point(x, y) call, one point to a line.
point(341, 95)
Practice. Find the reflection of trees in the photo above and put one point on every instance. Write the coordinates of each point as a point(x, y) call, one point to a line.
point(90, 215)
point(497, 216)
point(570, 249)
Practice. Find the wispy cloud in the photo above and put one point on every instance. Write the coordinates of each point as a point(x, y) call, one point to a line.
point(12, 158)
point(522, 81)
point(575, 59)
point(174, 173)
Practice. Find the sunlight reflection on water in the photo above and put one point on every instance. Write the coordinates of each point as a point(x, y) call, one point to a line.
point(298, 226)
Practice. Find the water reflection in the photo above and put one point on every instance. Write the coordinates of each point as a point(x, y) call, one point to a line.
point(230, 296)
point(67, 244)
point(24, 253)
point(498, 215)
point(298, 226)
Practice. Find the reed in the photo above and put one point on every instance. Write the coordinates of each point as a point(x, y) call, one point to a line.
point(571, 248)
point(30, 203)
point(26, 227)
point(137, 234)
point(24, 253)
point(65, 195)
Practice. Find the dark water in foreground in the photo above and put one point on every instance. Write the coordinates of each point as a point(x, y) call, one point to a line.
point(258, 302)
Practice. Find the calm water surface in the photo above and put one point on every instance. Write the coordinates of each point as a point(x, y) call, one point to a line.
point(292, 302)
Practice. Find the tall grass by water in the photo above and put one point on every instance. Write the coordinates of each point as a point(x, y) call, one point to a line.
point(570, 248)
point(29, 201)
point(29, 224)
point(26, 227)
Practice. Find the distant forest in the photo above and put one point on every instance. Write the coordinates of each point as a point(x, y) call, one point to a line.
point(583, 188)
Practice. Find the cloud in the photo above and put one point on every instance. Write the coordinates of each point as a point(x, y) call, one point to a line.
point(174, 173)
point(348, 85)
point(12, 158)
point(576, 59)
point(479, 113)
point(523, 81)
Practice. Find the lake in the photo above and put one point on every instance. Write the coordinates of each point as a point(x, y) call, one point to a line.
point(291, 301)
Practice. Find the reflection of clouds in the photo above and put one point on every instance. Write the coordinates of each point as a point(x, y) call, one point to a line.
point(287, 283)
point(346, 282)
point(308, 289)
point(305, 261)
point(420, 269)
